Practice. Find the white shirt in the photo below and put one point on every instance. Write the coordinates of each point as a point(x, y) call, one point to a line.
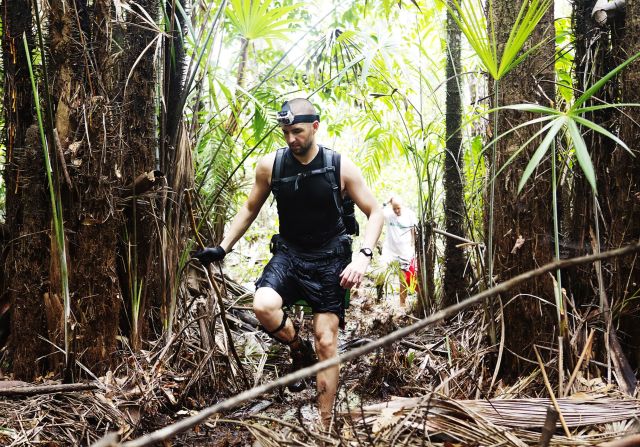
point(398, 241)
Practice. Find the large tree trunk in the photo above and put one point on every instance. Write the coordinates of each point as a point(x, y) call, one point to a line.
point(620, 196)
point(454, 284)
point(591, 63)
point(105, 138)
point(594, 57)
point(26, 222)
point(85, 78)
point(529, 313)
point(611, 285)
point(139, 266)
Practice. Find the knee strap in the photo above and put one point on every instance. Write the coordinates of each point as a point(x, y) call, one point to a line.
point(283, 323)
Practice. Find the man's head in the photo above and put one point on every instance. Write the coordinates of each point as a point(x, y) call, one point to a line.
point(299, 123)
point(396, 205)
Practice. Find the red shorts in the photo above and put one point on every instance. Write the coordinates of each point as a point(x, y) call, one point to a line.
point(410, 274)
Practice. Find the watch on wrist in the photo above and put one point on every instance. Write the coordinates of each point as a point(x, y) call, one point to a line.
point(367, 252)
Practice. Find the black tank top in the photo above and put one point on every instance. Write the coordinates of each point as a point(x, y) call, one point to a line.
point(306, 208)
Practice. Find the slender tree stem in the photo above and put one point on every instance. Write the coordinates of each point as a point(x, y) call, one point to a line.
point(556, 242)
point(492, 193)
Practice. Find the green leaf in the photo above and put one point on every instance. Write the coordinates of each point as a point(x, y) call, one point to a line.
point(533, 108)
point(598, 85)
point(522, 147)
point(583, 110)
point(520, 126)
point(469, 16)
point(582, 154)
point(472, 23)
point(593, 126)
point(254, 20)
point(541, 151)
point(530, 14)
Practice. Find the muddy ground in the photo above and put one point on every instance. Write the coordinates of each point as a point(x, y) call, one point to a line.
point(376, 378)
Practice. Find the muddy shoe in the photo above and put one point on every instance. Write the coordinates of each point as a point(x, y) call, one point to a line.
point(301, 357)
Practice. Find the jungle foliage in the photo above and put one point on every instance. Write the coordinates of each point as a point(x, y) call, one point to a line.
point(131, 130)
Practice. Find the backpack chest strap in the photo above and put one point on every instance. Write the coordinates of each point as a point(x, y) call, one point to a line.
point(302, 175)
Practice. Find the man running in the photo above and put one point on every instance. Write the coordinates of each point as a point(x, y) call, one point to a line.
point(312, 253)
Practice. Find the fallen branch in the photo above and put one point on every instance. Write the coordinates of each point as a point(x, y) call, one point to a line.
point(456, 237)
point(225, 323)
point(185, 424)
point(32, 390)
point(576, 370)
point(547, 384)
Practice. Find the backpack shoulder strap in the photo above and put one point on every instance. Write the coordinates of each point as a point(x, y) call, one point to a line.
point(276, 173)
point(332, 163)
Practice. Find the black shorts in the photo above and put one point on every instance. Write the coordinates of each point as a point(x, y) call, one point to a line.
point(310, 275)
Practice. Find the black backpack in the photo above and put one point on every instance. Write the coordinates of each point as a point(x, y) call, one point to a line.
point(345, 206)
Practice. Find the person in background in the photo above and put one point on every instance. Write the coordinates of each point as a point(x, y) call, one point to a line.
point(399, 243)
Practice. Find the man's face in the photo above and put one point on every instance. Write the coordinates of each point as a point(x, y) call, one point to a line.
point(299, 137)
point(396, 208)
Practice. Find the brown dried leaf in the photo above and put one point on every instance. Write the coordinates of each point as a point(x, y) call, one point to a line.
point(519, 243)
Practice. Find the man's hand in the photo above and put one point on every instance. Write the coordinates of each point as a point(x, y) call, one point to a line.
point(353, 274)
point(210, 254)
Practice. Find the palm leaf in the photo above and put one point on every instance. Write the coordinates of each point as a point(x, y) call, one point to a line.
point(582, 154)
point(595, 127)
point(254, 20)
point(598, 85)
point(525, 144)
point(541, 151)
point(468, 15)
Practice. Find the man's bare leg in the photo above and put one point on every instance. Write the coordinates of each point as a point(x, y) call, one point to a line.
point(325, 328)
point(403, 289)
point(267, 305)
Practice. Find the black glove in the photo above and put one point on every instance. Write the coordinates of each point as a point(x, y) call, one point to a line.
point(210, 254)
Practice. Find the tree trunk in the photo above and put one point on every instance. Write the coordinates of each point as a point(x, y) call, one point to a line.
point(26, 222)
point(529, 313)
point(592, 53)
point(597, 52)
point(454, 284)
point(85, 79)
point(594, 57)
point(621, 194)
point(140, 266)
point(106, 137)
point(426, 289)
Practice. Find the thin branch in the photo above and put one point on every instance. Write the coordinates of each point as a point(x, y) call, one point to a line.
point(63, 164)
point(587, 348)
point(551, 395)
point(33, 390)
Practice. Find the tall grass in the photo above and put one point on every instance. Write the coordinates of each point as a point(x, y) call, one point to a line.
point(56, 211)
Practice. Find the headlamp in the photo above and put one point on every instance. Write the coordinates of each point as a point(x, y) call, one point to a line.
point(286, 117)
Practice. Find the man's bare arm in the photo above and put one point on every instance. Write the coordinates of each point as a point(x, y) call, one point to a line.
point(249, 211)
point(355, 186)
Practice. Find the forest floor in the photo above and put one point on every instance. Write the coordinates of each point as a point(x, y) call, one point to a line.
point(273, 418)
point(433, 387)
